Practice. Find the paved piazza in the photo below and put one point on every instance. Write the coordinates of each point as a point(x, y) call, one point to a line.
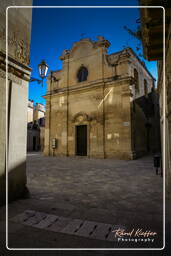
point(76, 202)
point(115, 185)
point(126, 193)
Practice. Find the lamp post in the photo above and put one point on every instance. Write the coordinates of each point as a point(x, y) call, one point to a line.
point(43, 68)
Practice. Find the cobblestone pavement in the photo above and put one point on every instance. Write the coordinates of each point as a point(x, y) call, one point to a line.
point(123, 193)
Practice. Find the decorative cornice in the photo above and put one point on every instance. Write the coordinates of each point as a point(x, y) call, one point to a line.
point(14, 71)
point(91, 86)
point(10, 77)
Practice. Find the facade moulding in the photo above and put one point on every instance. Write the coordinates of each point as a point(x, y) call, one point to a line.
point(81, 117)
point(14, 61)
point(15, 69)
point(108, 82)
point(124, 56)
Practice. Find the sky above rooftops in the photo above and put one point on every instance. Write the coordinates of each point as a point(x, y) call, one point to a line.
point(56, 29)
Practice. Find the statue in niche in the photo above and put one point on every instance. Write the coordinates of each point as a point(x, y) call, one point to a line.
point(82, 74)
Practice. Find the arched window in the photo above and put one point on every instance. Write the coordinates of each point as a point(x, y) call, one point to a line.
point(82, 74)
point(145, 87)
point(136, 77)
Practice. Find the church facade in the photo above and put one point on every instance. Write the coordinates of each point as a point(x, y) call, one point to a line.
point(100, 105)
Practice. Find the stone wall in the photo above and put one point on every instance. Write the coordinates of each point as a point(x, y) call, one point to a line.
point(30, 111)
point(15, 94)
point(166, 107)
point(39, 111)
point(152, 39)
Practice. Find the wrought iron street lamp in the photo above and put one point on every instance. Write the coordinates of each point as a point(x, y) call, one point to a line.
point(43, 68)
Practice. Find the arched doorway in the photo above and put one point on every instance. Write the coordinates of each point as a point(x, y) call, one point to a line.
point(81, 125)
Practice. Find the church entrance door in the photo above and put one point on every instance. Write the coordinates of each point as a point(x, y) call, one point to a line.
point(81, 140)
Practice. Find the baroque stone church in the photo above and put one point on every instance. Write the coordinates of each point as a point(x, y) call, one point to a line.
point(100, 105)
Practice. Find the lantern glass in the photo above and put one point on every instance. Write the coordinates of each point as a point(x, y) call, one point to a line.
point(43, 68)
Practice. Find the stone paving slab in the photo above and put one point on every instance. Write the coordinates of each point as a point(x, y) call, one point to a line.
point(37, 218)
point(87, 228)
point(23, 216)
point(111, 235)
point(46, 222)
point(77, 227)
point(101, 231)
point(59, 224)
point(73, 226)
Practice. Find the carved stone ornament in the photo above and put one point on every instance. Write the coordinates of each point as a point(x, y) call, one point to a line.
point(2, 73)
point(65, 54)
point(2, 34)
point(125, 53)
point(81, 117)
point(21, 47)
point(112, 59)
point(22, 52)
point(101, 41)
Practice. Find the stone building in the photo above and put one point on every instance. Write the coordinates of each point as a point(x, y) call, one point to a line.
point(35, 112)
point(35, 126)
point(152, 38)
point(35, 135)
point(100, 105)
point(39, 111)
point(30, 110)
point(13, 96)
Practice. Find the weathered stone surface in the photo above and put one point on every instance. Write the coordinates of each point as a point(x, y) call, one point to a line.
point(101, 231)
point(16, 90)
point(47, 221)
point(103, 102)
point(87, 228)
point(59, 224)
point(73, 226)
point(34, 219)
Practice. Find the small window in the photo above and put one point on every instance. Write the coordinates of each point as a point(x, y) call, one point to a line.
point(82, 74)
point(145, 87)
point(136, 77)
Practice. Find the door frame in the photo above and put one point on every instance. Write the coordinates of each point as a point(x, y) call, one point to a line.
point(88, 138)
point(76, 139)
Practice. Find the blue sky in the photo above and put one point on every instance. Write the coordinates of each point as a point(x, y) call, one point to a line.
point(56, 29)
